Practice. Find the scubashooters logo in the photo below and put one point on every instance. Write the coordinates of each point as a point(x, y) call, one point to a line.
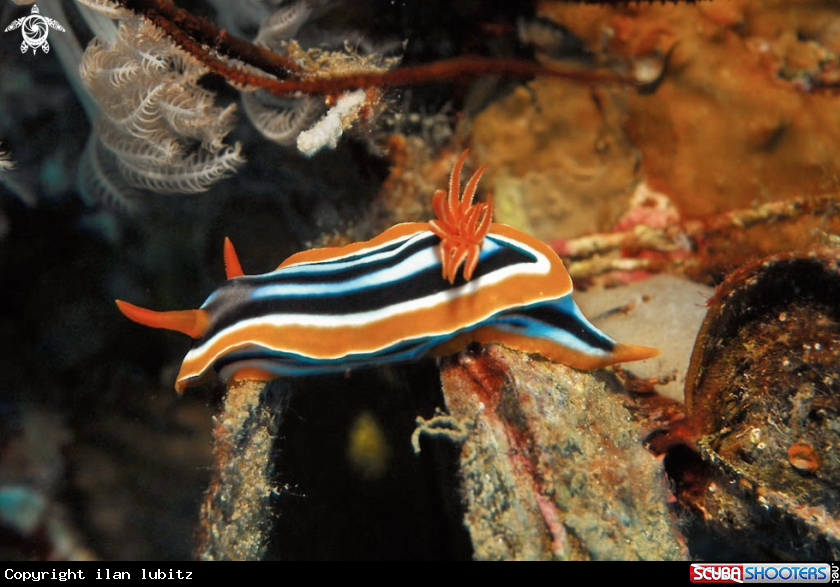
point(761, 573)
point(35, 29)
point(715, 573)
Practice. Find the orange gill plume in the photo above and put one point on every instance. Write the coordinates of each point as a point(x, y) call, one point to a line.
point(460, 224)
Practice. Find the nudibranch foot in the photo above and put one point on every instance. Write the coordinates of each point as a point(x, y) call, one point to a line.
point(573, 357)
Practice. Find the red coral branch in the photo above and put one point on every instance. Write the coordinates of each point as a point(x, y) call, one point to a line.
point(196, 35)
point(180, 24)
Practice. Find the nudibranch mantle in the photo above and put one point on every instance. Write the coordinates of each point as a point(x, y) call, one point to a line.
point(394, 298)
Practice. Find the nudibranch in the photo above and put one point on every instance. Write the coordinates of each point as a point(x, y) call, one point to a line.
point(417, 289)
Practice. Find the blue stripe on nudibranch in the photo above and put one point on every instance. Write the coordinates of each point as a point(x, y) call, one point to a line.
point(409, 277)
point(559, 321)
point(416, 288)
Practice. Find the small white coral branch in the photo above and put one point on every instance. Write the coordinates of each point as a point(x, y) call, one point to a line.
point(329, 129)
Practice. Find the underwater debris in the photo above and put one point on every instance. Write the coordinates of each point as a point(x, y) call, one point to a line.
point(701, 248)
point(236, 514)
point(762, 394)
point(552, 467)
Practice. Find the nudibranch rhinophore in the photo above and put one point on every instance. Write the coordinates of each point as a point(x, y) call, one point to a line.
point(418, 288)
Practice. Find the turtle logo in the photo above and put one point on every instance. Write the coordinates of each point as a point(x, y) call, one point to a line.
point(35, 29)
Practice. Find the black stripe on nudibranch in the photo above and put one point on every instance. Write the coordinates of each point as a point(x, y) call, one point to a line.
point(235, 301)
point(346, 268)
point(555, 315)
point(560, 321)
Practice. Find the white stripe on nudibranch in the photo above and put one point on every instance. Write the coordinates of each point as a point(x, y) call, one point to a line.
point(423, 259)
point(541, 266)
point(363, 256)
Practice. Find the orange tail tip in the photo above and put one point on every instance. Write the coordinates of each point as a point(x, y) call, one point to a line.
point(625, 353)
point(193, 323)
point(233, 268)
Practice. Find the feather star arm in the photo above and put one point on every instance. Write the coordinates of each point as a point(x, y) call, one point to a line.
point(460, 224)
